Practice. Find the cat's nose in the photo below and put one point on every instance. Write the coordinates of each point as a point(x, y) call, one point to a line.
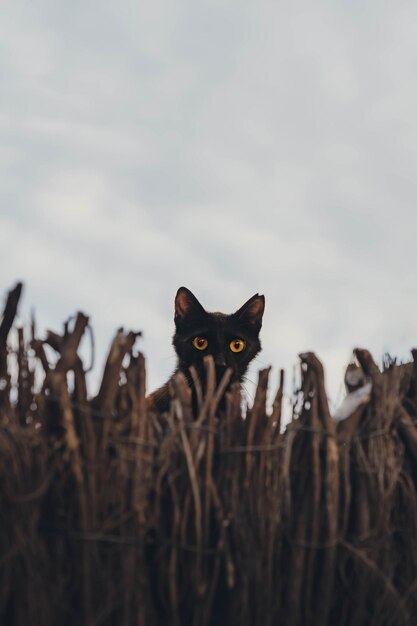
point(220, 360)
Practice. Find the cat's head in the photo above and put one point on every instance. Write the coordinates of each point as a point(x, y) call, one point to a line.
point(232, 340)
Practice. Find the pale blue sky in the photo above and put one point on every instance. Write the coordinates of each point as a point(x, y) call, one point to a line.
point(228, 147)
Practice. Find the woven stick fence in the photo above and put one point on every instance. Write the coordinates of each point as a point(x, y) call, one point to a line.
point(112, 515)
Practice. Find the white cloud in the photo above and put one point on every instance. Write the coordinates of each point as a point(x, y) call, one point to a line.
point(231, 148)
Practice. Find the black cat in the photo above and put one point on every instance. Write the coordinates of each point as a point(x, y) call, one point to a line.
point(232, 340)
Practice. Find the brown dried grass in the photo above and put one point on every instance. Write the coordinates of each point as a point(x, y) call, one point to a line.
point(111, 515)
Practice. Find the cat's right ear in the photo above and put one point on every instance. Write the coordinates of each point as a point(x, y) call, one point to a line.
point(250, 314)
point(187, 307)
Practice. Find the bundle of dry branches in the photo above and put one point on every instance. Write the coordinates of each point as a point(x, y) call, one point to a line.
point(112, 515)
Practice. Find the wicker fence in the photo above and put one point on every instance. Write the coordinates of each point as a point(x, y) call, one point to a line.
point(112, 515)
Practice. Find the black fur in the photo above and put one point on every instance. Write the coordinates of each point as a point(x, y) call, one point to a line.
point(192, 320)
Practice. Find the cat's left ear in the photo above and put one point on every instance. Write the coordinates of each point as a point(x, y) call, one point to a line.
point(250, 314)
point(187, 307)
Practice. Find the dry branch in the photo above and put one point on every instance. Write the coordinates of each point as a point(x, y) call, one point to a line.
point(114, 514)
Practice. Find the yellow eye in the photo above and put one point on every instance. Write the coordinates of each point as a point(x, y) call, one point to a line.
point(200, 343)
point(237, 345)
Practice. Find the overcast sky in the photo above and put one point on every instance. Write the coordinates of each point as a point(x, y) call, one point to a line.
point(231, 147)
